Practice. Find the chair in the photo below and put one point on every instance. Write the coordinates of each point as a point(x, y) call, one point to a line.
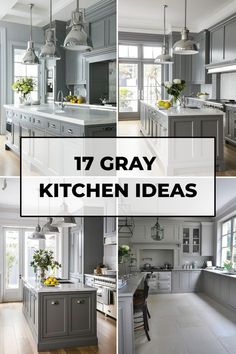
point(141, 310)
point(141, 293)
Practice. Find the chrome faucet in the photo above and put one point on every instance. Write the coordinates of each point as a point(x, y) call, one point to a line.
point(60, 99)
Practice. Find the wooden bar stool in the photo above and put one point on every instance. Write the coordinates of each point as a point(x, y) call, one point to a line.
point(141, 311)
point(140, 293)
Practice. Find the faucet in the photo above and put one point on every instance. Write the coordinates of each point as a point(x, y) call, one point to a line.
point(60, 99)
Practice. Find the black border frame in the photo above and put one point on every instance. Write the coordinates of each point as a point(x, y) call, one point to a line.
point(115, 137)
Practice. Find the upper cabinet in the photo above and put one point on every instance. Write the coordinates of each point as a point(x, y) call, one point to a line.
point(75, 68)
point(217, 45)
point(191, 240)
point(230, 40)
point(103, 32)
point(182, 67)
point(199, 72)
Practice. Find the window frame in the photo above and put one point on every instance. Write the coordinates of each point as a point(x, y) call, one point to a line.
point(231, 219)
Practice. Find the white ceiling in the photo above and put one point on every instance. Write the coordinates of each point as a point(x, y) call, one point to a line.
point(147, 16)
point(225, 191)
point(18, 10)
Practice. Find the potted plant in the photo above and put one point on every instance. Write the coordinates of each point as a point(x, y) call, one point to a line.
point(24, 86)
point(228, 265)
point(43, 260)
point(175, 88)
point(124, 252)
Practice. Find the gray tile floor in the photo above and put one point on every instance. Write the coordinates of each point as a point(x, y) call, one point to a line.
point(188, 324)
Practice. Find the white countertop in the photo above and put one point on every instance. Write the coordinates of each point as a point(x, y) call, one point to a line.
point(220, 272)
point(86, 115)
point(181, 112)
point(75, 287)
point(132, 284)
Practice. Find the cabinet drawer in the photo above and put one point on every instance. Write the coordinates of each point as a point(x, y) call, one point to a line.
point(164, 286)
point(25, 119)
point(164, 276)
point(71, 130)
point(15, 116)
point(54, 126)
point(9, 113)
point(39, 121)
point(54, 316)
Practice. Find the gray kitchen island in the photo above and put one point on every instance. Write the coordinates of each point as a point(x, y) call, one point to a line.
point(184, 122)
point(61, 316)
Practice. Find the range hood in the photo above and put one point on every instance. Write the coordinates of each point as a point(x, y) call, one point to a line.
point(223, 67)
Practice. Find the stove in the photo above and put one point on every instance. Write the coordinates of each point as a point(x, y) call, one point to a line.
point(219, 103)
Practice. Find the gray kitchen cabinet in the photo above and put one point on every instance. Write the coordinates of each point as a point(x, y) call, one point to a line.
point(25, 131)
point(230, 125)
point(207, 239)
point(182, 67)
point(81, 313)
point(75, 68)
point(100, 131)
point(68, 129)
point(230, 40)
point(217, 45)
point(54, 316)
point(98, 34)
point(109, 226)
point(186, 281)
point(199, 60)
point(85, 239)
point(232, 292)
point(16, 131)
point(191, 239)
point(111, 32)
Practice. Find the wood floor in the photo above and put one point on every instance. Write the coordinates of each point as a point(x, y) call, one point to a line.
point(15, 336)
point(9, 162)
point(132, 128)
point(188, 324)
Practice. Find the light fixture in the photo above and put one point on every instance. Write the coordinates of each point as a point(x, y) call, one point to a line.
point(157, 232)
point(49, 50)
point(37, 234)
point(64, 221)
point(30, 58)
point(48, 228)
point(126, 229)
point(77, 38)
point(185, 46)
point(164, 57)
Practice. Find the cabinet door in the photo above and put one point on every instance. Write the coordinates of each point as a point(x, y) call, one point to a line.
point(39, 153)
point(82, 321)
point(101, 131)
point(217, 45)
point(175, 281)
point(16, 135)
point(76, 251)
point(185, 281)
point(207, 239)
point(232, 292)
point(196, 280)
point(109, 226)
point(227, 124)
point(111, 21)
point(230, 40)
point(25, 132)
point(232, 124)
point(182, 126)
point(54, 314)
point(196, 241)
point(98, 34)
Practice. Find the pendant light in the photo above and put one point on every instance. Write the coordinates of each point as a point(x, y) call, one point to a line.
point(164, 57)
point(185, 46)
point(64, 221)
point(77, 38)
point(48, 228)
point(37, 234)
point(30, 58)
point(126, 229)
point(157, 232)
point(49, 50)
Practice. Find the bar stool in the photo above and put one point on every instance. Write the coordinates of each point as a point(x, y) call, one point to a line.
point(141, 311)
point(140, 293)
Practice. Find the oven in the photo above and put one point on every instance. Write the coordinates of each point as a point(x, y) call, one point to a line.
point(106, 295)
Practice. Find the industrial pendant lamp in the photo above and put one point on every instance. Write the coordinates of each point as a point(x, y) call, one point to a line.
point(64, 221)
point(157, 232)
point(185, 46)
point(30, 58)
point(77, 38)
point(37, 234)
point(164, 57)
point(49, 50)
point(48, 228)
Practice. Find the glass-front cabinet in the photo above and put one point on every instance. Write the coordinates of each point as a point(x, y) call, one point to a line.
point(191, 240)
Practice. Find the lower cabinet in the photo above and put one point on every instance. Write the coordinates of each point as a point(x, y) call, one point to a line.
point(61, 319)
point(186, 281)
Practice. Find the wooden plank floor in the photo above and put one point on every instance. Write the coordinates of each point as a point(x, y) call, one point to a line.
point(15, 336)
point(187, 324)
point(9, 162)
point(132, 128)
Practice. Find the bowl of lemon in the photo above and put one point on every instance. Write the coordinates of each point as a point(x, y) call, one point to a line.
point(51, 281)
point(164, 104)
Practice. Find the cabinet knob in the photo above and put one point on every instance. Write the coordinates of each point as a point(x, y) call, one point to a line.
point(80, 302)
point(38, 121)
point(55, 303)
point(69, 131)
point(52, 125)
point(108, 129)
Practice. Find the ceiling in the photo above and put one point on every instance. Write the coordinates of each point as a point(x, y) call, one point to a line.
point(225, 191)
point(147, 16)
point(18, 10)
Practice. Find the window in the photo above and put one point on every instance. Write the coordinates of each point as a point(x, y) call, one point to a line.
point(128, 51)
point(12, 259)
point(21, 70)
point(228, 241)
point(151, 52)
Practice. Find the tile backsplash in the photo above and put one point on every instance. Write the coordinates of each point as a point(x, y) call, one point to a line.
point(199, 260)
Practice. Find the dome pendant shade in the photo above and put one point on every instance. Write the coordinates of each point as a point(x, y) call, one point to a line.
point(185, 46)
point(48, 228)
point(30, 58)
point(77, 39)
point(157, 232)
point(164, 57)
point(49, 50)
point(37, 234)
point(66, 221)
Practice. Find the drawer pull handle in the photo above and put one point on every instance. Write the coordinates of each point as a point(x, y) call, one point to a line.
point(39, 121)
point(52, 125)
point(108, 129)
point(70, 131)
point(80, 302)
point(55, 303)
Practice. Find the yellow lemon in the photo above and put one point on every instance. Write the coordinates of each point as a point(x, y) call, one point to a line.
point(167, 104)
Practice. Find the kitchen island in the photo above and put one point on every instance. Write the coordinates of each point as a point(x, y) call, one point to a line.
point(184, 122)
point(49, 120)
point(125, 313)
point(61, 316)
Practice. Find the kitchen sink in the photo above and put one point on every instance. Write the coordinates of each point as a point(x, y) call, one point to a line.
point(64, 281)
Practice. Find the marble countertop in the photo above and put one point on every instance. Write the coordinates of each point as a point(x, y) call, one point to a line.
point(220, 272)
point(132, 284)
point(102, 277)
point(75, 287)
point(181, 112)
point(87, 115)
